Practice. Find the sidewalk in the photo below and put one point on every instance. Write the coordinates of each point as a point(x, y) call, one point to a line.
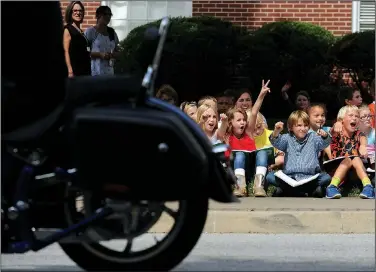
point(287, 215)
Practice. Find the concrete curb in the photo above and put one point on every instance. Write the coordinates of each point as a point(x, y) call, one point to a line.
point(268, 222)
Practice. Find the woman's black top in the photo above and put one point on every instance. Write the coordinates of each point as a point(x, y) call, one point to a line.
point(78, 52)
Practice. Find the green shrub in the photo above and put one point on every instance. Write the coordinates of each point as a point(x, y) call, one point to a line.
point(203, 55)
point(355, 53)
point(198, 58)
point(290, 50)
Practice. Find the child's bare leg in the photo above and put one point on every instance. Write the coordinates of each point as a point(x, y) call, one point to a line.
point(341, 172)
point(332, 190)
point(359, 168)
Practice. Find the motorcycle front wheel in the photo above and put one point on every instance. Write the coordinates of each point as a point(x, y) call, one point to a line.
point(189, 222)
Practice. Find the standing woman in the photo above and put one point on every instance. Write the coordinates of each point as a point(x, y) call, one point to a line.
point(76, 47)
point(103, 42)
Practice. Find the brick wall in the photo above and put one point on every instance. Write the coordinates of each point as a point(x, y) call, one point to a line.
point(333, 15)
point(90, 8)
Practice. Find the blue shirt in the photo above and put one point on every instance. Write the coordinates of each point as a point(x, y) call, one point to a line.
point(301, 157)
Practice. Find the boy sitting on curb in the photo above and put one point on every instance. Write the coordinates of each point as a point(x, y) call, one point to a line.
point(349, 142)
point(301, 148)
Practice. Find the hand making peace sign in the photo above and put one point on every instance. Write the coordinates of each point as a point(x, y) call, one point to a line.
point(265, 89)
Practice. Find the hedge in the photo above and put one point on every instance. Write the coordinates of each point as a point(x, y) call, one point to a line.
point(206, 55)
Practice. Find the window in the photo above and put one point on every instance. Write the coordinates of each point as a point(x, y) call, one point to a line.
point(130, 14)
point(363, 15)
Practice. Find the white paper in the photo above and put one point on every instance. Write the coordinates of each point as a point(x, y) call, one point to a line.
point(247, 151)
point(292, 182)
point(339, 158)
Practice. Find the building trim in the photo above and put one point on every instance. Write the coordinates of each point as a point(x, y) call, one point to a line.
point(355, 24)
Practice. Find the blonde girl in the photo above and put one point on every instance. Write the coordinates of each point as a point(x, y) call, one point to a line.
point(261, 135)
point(210, 101)
point(207, 119)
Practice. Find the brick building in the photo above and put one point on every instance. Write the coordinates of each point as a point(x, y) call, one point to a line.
point(340, 17)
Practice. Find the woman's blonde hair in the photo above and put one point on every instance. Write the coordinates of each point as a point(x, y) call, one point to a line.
point(294, 118)
point(342, 111)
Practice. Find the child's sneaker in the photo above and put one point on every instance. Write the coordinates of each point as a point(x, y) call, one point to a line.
point(332, 192)
point(368, 192)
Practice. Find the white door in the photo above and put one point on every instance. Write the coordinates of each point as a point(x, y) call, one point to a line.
point(129, 14)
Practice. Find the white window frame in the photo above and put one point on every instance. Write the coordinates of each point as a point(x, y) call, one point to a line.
point(356, 20)
point(355, 24)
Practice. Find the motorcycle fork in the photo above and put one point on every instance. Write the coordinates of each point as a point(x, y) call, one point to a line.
point(18, 214)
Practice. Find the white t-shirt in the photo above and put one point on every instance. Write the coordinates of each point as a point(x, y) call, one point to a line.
point(214, 139)
point(103, 44)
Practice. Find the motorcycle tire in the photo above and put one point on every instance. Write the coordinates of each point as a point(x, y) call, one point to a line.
point(183, 237)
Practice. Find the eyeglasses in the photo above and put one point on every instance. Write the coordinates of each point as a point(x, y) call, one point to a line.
point(78, 11)
point(365, 117)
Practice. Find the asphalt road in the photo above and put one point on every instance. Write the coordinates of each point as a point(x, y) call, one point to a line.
point(241, 252)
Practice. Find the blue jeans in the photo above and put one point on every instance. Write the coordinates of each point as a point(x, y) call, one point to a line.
point(322, 180)
point(262, 158)
point(239, 160)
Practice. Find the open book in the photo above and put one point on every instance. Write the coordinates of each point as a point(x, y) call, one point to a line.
point(292, 182)
point(333, 164)
point(271, 148)
point(339, 158)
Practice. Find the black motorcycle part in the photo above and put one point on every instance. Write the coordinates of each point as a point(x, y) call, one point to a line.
point(150, 153)
point(166, 255)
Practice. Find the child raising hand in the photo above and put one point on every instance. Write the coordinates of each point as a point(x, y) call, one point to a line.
point(207, 120)
point(239, 136)
point(302, 148)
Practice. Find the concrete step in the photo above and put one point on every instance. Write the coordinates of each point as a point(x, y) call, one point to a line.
point(286, 215)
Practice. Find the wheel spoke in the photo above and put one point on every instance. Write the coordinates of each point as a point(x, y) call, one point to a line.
point(128, 247)
point(169, 211)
